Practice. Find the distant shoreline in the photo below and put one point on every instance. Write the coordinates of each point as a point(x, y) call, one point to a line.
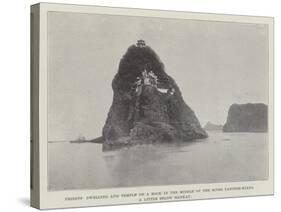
point(98, 140)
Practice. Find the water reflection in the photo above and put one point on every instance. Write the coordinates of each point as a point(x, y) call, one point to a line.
point(219, 158)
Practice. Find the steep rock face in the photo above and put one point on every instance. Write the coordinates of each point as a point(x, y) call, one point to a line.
point(246, 118)
point(148, 115)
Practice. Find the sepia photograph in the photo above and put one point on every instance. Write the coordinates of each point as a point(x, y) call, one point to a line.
point(147, 101)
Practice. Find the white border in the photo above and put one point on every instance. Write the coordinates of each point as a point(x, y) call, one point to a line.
point(57, 199)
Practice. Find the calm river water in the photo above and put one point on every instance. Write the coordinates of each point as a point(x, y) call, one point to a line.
point(223, 157)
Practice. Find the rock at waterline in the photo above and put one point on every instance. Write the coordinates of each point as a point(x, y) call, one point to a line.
point(147, 104)
point(250, 117)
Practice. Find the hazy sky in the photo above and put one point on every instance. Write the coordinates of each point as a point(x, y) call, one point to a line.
point(214, 64)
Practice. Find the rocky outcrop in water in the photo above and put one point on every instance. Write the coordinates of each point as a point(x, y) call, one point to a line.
point(246, 118)
point(210, 126)
point(143, 112)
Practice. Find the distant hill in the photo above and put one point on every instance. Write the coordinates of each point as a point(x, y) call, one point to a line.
point(210, 126)
point(246, 118)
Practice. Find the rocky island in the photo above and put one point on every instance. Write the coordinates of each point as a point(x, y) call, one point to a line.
point(246, 118)
point(147, 106)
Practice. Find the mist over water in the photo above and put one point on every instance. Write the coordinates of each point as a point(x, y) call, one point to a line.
point(223, 157)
